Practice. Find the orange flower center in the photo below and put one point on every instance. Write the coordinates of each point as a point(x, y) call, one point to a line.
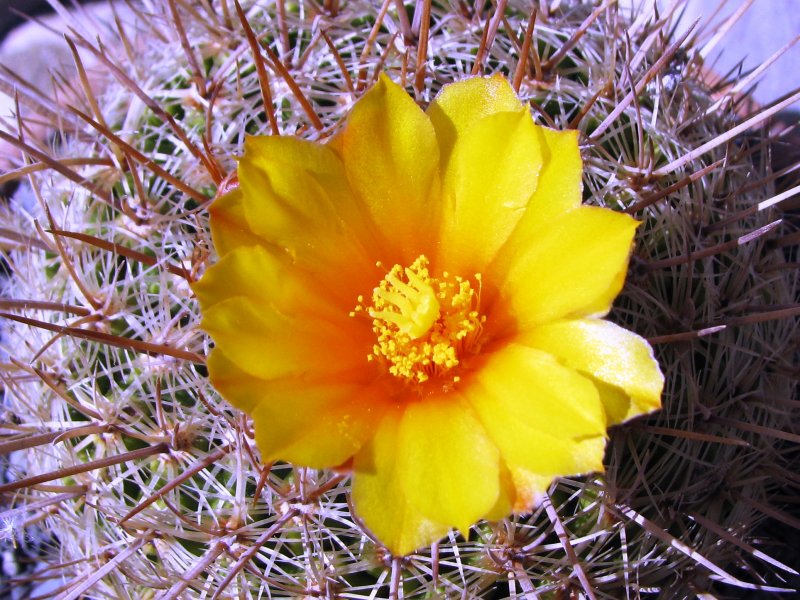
point(423, 324)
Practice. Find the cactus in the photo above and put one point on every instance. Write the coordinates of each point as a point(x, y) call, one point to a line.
point(150, 484)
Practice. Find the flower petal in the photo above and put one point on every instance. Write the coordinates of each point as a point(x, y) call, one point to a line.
point(491, 175)
point(392, 161)
point(451, 468)
point(316, 426)
point(380, 493)
point(274, 320)
point(558, 190)
point(506, 496)
point(296, 194)
point(229, 226)
point(545, 418)
point(610, 354)
point(255, 273)
point(529, 487)
point(444, 470)
point(239, 388)
point(289, 184)
point(569, 266)
point(531, 386)
point(462, 104)
point(269, 344)
point(559, 187)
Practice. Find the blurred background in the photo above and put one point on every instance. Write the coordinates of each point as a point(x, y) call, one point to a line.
point(765, 27)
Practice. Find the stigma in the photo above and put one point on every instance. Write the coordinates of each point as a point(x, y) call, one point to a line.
point(423, 325)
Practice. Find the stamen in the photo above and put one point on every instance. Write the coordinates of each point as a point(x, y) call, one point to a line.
point(423, 324)
point(412, 307)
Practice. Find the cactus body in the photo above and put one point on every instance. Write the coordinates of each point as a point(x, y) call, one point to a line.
point(151, 485)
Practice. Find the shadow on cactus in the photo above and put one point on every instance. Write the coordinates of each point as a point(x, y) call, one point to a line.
point(151, 484)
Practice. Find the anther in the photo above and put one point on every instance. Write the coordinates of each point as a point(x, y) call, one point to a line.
point(422, 324)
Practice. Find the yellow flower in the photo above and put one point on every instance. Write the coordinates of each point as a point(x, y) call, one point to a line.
point(419, 300)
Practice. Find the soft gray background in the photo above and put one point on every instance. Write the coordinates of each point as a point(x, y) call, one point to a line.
point(765, 28)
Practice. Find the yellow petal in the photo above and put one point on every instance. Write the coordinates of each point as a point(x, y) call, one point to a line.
point(318, 426)
point(491, 176)
point(450, 467)
point(380, 493)
point(531, 386)
point(530, 488)
point(569, 266)
point(582, 456)
point(602, 303)
point(616, 402)
point(255, 273)
point(558, 190)
point(229, 226)
point(239, 389)
point(559, 187)
point(276, 321)
point(392, 161)
point(460, 105)
point(290, 184)
point(296, 194)
point(269, 344)
point(506, 496)
point(608, 353)
point(544, 417)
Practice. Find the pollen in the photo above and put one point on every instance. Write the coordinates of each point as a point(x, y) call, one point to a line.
point(423, 325)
